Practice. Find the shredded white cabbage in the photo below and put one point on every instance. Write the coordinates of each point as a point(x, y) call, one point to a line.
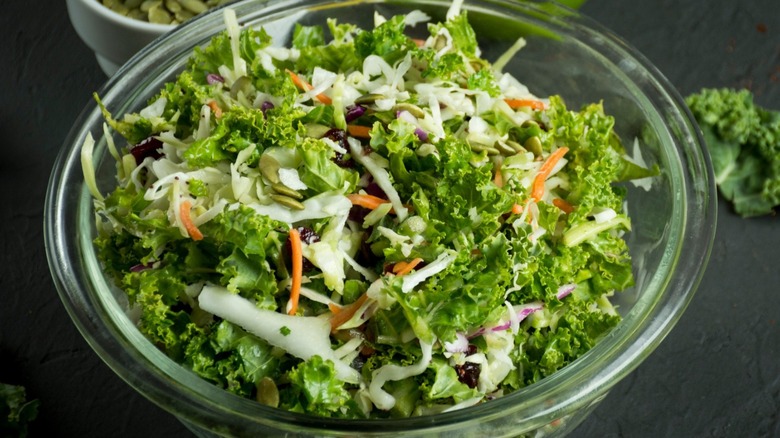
point(307, 336)
point(379, 396)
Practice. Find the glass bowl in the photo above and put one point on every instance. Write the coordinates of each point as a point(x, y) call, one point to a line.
point(566, 54)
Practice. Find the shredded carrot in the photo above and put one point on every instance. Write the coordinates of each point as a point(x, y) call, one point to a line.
point(563, 205)
point(184, 214)
point(305, 86)
point(418, 42)
point(403, 268)
point(345, 313)
point(537, 189)
point(359, 131)
point(215, 108)
point(498, 178)
point(297, 269)
point(517, 209)
point(334, 308)
point(370, 202)
point(528, 103)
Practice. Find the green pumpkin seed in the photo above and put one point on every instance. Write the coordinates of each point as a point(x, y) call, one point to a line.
point(132, 4)
point(172, 6)
point(516, 146)
point(286, 191)
point(505, 149)
point(267, 392)
point(411, 108)
point(269, 167)
point(147, 4)
point(368, 99)
point(183, 15)
point(534, 145)
point(158, 15)
point(116, 6)
point(288, 202)
point(476, 147)
point(194, 6)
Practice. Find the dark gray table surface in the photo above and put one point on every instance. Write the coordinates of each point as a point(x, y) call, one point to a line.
point(717, 373)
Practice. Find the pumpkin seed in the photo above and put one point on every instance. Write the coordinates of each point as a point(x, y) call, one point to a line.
point(515, 145)
point(183, 15)
point(194, 6)
point(267, 392)
point(505, 149)
point(411, 108)
point(534, 145)
point(147, 4)
point(172, 6)
point(368, 99)
point(477, 147)
point(286, 191)
point(132, 4)
point(158, 14)
point(269, 167)
point(116, 6)
point(288, 202)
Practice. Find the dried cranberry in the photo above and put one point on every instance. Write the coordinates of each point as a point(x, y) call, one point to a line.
point(148, 147)
point(339, 136)
point(308, 236)
point(468, 373)
point(358, 213)
point(373, 189)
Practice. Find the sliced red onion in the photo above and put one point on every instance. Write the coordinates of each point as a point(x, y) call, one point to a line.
point(141, 267)
point(459, 345)
point(213, 78)
point(265, 106)
point(353, 112)
point(522, 312)
point(565, 290)
point(421, 134)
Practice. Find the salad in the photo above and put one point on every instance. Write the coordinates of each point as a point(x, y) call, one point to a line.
point(366, 224)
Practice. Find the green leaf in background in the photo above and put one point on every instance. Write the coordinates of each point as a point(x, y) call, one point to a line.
point(743, 140)
point(16, 411)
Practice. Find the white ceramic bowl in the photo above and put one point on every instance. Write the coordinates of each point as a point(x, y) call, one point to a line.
point(113, 37)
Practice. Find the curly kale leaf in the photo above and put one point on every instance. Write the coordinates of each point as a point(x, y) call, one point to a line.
point(743, 140)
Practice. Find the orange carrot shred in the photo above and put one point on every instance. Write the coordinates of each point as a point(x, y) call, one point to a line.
point(528, 103)
point(297, 269)
point(215, 108)
point(498, 178)
point(184, 214)
point(537, 189)
point(418, 42)
point(334, 308)
point(359, 131)
point(563, 205)
point(370, 202)
point(345, 313)
point(517, 209)
point(406, 267)
point(305, 86)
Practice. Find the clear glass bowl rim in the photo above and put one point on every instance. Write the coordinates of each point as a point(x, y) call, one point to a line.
point(575, 387)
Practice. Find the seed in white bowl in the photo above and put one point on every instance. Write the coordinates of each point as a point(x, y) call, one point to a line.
point(194, 6)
